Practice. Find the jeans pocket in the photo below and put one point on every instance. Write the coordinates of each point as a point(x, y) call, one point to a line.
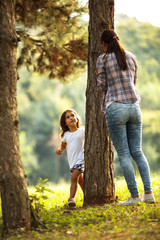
point(116, 114)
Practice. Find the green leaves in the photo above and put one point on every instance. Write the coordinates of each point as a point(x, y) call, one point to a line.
point(39, 196)
point(52, 35)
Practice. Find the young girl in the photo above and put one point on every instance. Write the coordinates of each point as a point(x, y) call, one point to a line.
point(72, 139)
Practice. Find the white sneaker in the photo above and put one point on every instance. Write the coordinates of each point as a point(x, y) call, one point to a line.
point(130, 201)
point(148, 198)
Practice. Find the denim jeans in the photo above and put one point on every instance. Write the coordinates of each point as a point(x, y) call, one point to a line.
point(125, 128)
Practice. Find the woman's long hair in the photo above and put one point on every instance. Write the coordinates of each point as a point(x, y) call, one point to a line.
point(64, 127)
point(110, 37)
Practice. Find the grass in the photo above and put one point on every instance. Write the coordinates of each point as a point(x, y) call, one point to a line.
point(99, 222)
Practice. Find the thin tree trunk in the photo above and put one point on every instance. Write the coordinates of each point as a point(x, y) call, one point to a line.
point(99, 173)
point(14, 195)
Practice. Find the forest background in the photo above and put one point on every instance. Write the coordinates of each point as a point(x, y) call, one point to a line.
point(42, 100)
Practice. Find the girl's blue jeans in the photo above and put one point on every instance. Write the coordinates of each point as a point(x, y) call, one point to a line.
point(125, 128)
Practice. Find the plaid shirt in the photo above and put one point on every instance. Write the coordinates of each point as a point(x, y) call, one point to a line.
point(118, 85)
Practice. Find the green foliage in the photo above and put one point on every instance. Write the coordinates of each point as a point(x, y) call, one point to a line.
point(94, 222)
point(53, 36)
point(39, 196)
point(151, 121)
point(75, 92)
point(27, 154)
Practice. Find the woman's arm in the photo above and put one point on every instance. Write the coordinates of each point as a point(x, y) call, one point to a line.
point(135, 78)
point(101, 73)
point(136, 69)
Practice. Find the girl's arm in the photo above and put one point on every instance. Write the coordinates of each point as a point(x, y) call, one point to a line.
point(62, 148)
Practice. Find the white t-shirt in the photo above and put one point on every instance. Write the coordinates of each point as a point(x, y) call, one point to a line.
point(75, 146)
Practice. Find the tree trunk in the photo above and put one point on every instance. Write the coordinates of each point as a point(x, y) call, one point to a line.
point(99, 173)
point(14, 195)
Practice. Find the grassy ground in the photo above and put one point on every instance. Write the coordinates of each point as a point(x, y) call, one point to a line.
point(99, 222)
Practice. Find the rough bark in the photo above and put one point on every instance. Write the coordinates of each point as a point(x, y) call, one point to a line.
point(99, 172)
point(14, 195)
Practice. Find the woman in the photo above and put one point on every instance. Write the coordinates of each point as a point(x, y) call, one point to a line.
point(117, 77)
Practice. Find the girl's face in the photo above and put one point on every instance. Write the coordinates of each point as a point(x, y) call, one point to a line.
point(71, 119)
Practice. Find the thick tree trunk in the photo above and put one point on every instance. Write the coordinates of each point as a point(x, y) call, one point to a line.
point(14, 195)
point(99, 173)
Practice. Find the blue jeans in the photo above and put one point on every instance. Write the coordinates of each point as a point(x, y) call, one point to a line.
point(125, 128)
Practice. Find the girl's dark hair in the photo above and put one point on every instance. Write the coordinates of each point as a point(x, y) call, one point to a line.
point(64, 127)
point(110, 37)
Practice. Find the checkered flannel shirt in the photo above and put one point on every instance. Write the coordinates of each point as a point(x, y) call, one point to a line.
point(118, 85)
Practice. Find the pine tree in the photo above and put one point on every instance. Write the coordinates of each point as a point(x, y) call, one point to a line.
point(14, 195)
point(52, 36)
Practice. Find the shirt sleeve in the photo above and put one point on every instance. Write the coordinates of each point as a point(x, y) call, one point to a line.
point(101, 73)
point(136, 70)
point(83, 132)
point(63, 139)
point(136, 75)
